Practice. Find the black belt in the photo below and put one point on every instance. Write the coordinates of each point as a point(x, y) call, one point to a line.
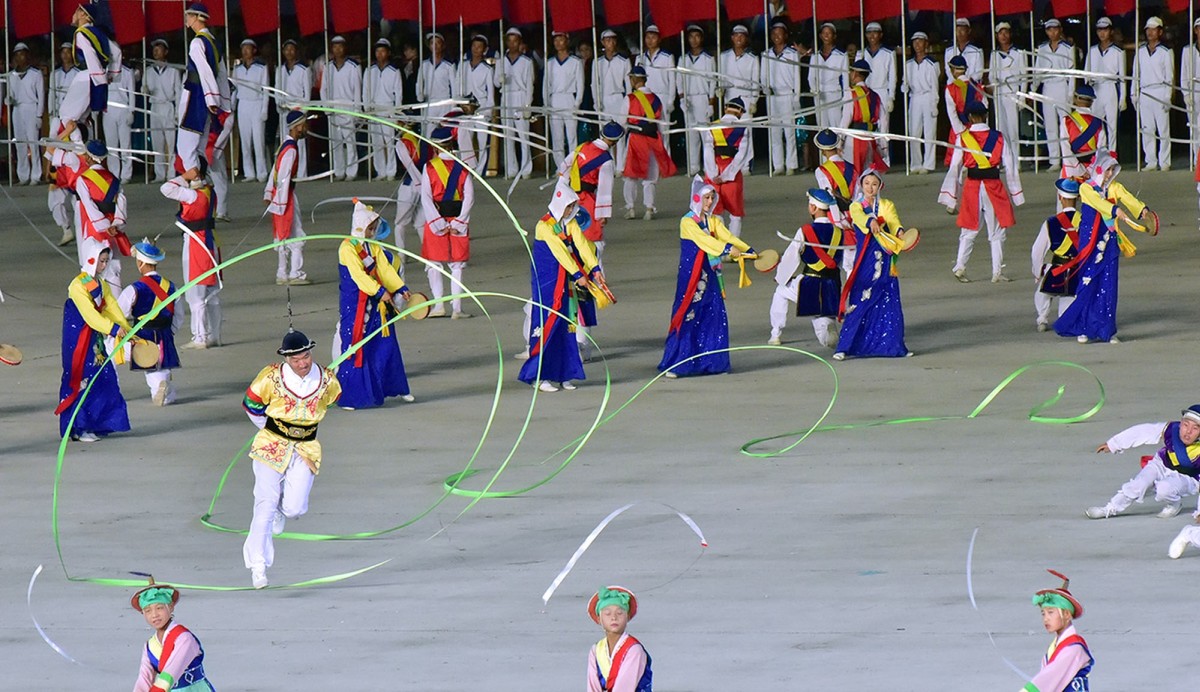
point(1059, 261)
point(727, 151)
point(860, 126)
point(831, 273)
point(587, 187)
point(292, 431)
point(983, 174)
point(449, 209)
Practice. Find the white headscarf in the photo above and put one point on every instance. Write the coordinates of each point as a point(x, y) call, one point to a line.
point(90, 251)
point(362, 219)
point(564, 199)
point(1103, 163)
point(699, 189)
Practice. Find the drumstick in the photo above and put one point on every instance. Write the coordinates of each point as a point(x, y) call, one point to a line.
point(823, 247)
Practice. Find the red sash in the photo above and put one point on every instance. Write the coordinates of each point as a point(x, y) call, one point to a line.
point(810, 237)
point(360, 314)
point(619, 658)
point(83, 347)
point(159, 291)
point(1073, 639)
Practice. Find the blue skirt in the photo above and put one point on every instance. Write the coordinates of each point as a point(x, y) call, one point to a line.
point(381, 373)
point(704, 326)
point(103, 411)
point(1094, 312)
point(873, 326)
point(552, 346)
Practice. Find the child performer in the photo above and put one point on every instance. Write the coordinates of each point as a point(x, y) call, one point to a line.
point(563, 260)
point(173, 660)
point(871, 314)
point(138, 300)
point(90, 314)
point(618, 662)
point(1068, 660)
point(368, 282)
point(814, 252)
point(1056, 245)
point(698, 319)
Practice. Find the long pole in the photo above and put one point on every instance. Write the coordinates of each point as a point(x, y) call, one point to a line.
point(368, 60)
point(1189, 92)
point(546, 63)
point(903, 61)
point(228, 158)
point(1037, 151)
point(147, 133)
point(10, 147)
point(1137, 23)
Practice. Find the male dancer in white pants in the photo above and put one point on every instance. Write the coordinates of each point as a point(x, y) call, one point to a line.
point(562, 92)
point(27, 102)
point(1055, 246)
point(922, 75)
point(1153, 83)
point(295, 79)
point(284, 208)
point(827, 77)
point(514, 79)
point(250, 77)
point(1107, 58)
point(809, 269)
point(382, 95)
point(342, 84)
point(60, 80)
point(162, 83)
point(781, 80)
point(196, 210)
point(1053, 55)
point(610, 84)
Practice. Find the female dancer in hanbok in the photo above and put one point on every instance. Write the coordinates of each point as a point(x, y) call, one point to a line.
point(872, 317)
point(368, 282)
point(698, 320)
point(90, 314)
point(563, 260)
point(1093, 314)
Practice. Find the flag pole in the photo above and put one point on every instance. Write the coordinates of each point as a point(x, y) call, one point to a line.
point(904, 42)
point(1137, 23)
point(368, 60)
point(750, 107)
point(1037, 150)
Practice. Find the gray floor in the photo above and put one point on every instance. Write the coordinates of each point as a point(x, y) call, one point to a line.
point(839, 565)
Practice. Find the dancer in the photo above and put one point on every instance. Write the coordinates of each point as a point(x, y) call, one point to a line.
point(589, 170)
point(149, 293)
point(1084, 134)
point(200, 252)
point(862, 112)
point(251, 107)
point(162, 84)
point(447, 197)
point(921, 76)
point(1068, 660)
point(368, 283)
point(284, 206)
point(960, 92)
point(1172, 471)
point(982, 154)
point(413, 153)
point(200, 100)
point(100, 209)
point(286, 402)
point(836, 176)
point(96, 54)
point(173, 660)
point(870, 310)
point(563, 264)
point(618, 662)
point(726, 150)
point(1093, 315)
point(699, 323)
point(646, 158)
point(815, 252)
point(89, 315)
point(1055, 246)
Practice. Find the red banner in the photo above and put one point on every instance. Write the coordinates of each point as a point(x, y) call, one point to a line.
point(129, 21)
point(64, 10)
point(836, 9)
point(161, 17)
point(260, 16)
point(668, 16)
point(1177, 5)
point(310, 15)
point(738, 9)
point(348, 15)
point(974, 8)
point(928, 5)
point(525, 12)
point(216, 12)
point(33, 19)
point(570, 15)
point(448, 12)
point(1068, 8)
point(484, 11)
point(799, 10)
point(400, 9)
point(874, 10)
point(622, 11)
point(1114, 7)
point(1004, 7)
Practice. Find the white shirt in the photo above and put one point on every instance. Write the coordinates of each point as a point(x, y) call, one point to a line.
point(827, 74)
point(1008, 71)
point(782, 78)
point(1041, 245)
point(279, 184)
point(249, 81)
point(163, 84)
point(296, 82)
point(739, 76)
point(1108, 61)
point(921, 79)
point(91, 60)
point(697, 84)
point(610, 79)
point(381, 87)
point(882, 79)
point(1154, 71)
point(343, 84)
point(121, 91)
point(972, 54)
point(437, 222)
point(209, 79)
point(25, 90)
point(564, 77)
point(710, 153)
point(1061, 57)
point(88, 205)
point(660, 80)
point(60, 79)
point(436, 82)
point(477, 81)
point(514, 79)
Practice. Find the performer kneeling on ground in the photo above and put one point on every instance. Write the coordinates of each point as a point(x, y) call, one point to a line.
point(1068, 660)
point(368, 283)
point(286, 401)
point(139, 299)
point(1056, 245)
point(1173, 470)
point(871, 313)
point(816, 253)
point(699, 323)
point(447, 196)
point(563, 262)
point(90, 314)
point(173, 660)
point(725, 152)
point(618, 662)
point(284, 206)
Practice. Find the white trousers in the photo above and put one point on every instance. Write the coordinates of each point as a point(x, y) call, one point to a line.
point(252, 131)
point(1106, 106)
point(1052, 114)
point(782, 108)
point(25, 127)
point(219, 175)
point(204, 304)
point(291, 256)
point(480, 142)
point(1192, 533)
point(189, 147)
point(117, 136)
point(1169, 486)
point(783, 302)
point(564, 126)
point(1008, 120)
point(285, 492)
point(162, 139)
point(408, 213)
point(1042, 303)
point(437, 282)
point(697, 112)
point(383, 150)
point(56, 200)
point(829, 110)
point(301, 150)
point(648, 186)
point(156, 377)
point(1156, 129)
point(996, 235)
point(922, 123)
point(343, 149)
point(516, 133)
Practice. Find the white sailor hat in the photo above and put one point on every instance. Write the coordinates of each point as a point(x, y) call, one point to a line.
point(1003, 25)
point(383, 43)
point(156, 42)
point(1196, 23)
point(962, 21)
point(828, 24)
point(433, 35)
point(476, 37)
point(609, 33)
point(249, 42)
point(1051, 23)
point(874, 26)
point(694, 27)
point(1153, 22)
point(1104, 23)
point(68, 46)
point(559, 33)
point(652, 29)
point(740, 29)
point(513, 31)
point(337, 39)
point(919, 35)
point(780, 24)
point(20, 47)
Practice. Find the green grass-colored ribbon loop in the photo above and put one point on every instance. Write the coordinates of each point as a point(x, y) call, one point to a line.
point(1033, 415)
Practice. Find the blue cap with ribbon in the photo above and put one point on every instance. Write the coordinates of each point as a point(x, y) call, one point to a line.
point(737, 104)
point(958, 62)
point(1067, 187)
point(96, 149)
point(1191, 413)
point(612, 130)
point(977, 108)
point(638, 71)
point(441, 135)
point(1085, 91)
point(148, 252)
point(294, 117)
point(197, 8)
point(827, 139)
point(822, 199)
point(861, 66)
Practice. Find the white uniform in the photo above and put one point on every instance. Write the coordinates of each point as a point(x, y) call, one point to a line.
point(1153, 83)
point(1189, 86)
point(436, 83)
point(921, 86)
point(153, 377)
point(972, 54)
point(27, 102)
point(190, 143)
point(661, 80)
point(1041, 250)
point(118, 122)
point(408, 198)
point(882, 81)
point(60, 80)
point(382, 95)
point(1057, 91)
point(279, 186)
point(296, 81)
point(827, 79)
point(1110, 92)
point(475, 141)
point(696, 92)
point(562, 91)
point(740, 77)
point(203, 301)
point(1008, 74)
point(343, 85)
point(163, 85)
point(514, 79)
point(251, 108)
point(218, 169)
point(610, 86)
point(76, 104)
point(1169, 486)
point(781, 81)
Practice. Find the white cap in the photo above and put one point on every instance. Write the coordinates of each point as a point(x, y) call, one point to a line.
point(1104, 23)
point(559, 33)
point(156, 42)
point(249, 42)
point(919, 34)
point(694, 27)
point(384, 43)
point(1003, 25)
point(1196, 23)
point(20, 47)
point(874, 26)
point(432, 35)
point(608, 33)
point(830, 25)
point(1153, 22)
point(652, 29)
point(1051, 23)
point(337, 39)
point(513, 31)
point(962, 21)
point(740, 29)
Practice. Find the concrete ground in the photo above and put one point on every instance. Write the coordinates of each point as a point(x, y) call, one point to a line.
point(839, 565)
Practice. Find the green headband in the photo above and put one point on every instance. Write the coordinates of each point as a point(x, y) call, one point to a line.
point(1053, 600)
point(158, 594)
point(607, 597)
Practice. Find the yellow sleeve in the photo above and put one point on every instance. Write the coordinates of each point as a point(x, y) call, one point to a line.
point(102, 322)
point(1135, 206)
point(333, 391)
point(111, 309)
point(858, 215)
point(261, 387)
point(726, 235)
point(888, 211)
point(348, 258)
point(1093, 199)
point(690, 230)
point(545, 233)
point(385, 271)
point(587, 251)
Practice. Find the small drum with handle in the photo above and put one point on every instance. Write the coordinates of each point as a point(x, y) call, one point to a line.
point(909, 238)
point(145, 354)
point(766, 261)
point(414, 298)
point(10, 355)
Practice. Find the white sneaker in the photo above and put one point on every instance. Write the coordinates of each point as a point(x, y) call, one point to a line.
point(1114, 340)
point(68, 237)
point(774, 341)
point(281, 281)
point(523, 355)
point(88, 437)
point(630, 214)
point(568, 386)
point(1101, 512)
point(961, 275)
point(299, 281)
point(1082, 338)
point(670, 375)
point(438, 310)
point(408, 398)
point(1178, 546)
point(460, 315)
point(1042, 326)
point(649, 215)
point(1000, 278)
point(1170, 510)
point(160, 394)
point(839, 356)
point(258, 577)
point(277, 523)
point(547, 386)
point(195, 345)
